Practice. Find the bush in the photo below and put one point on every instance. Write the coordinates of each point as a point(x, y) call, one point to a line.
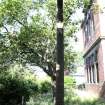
point(69, 82)
point(45, 87)
point(81, 86)
point(15, 83)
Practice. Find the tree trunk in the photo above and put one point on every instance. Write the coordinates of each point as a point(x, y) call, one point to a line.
point(51, 71)
point(60, 56)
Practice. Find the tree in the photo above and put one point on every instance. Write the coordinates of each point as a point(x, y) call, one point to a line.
point(28, 32)
point(26, 37)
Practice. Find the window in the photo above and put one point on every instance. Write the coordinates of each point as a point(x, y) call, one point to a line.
point(97, 72)
point(94, 76)
point(87, 75)
point(89, 26)
point(92, 68)
point(90, 74)
point(92, 28)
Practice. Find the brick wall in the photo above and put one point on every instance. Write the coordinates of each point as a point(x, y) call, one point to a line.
point(94, 88)
point(97, 87)
point(99, 31)
point(100, 63)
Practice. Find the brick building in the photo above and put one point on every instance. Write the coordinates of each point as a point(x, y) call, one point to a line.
point(93, 27)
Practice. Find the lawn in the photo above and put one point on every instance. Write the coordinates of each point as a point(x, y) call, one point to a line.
point(72, 96)
point(70, 99)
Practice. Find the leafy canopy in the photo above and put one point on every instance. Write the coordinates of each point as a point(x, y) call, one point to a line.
point(28, 31)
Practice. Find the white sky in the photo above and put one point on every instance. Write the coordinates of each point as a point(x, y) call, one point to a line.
point(78, 46)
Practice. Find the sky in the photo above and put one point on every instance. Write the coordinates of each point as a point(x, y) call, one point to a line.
point(78, 46)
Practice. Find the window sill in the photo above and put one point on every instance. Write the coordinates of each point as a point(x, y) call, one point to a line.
point(93, 83)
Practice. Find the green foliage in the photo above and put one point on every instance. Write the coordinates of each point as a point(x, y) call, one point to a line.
point(81, 86)
point(15, 83)
point(41, 99)
point(29, 31)
point(14, 10)
point(77, 101)
point(45, 87)
point(86, 4)
point(28, 35)
point(70, 59)
point(70, 99)
point(69, 82)
point(44, 96)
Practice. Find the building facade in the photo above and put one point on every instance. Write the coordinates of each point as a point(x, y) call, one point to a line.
point(93, 27)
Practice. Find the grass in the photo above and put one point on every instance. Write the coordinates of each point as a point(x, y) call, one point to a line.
point(41, 99)
point(84, 99)
point(70, 99)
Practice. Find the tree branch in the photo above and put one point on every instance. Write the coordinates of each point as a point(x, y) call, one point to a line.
point(19, 22)
point(5, 28)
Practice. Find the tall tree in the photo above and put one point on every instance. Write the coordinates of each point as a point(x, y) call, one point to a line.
point(33, 29)
point(28, 32)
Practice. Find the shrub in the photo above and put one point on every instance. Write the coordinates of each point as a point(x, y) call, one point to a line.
point(45, 87)
point(81, 86)
point(69, 82)
point(15, 83)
